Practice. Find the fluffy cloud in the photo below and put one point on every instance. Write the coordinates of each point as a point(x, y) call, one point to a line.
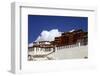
point(72, 30)
point(30, 44)
point(48, 35)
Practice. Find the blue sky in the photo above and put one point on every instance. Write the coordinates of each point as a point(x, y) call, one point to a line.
point(38, 23)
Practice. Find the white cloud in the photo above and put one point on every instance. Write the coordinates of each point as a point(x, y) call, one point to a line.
point(72, 30)
point(48, 35)
point(30, 44)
